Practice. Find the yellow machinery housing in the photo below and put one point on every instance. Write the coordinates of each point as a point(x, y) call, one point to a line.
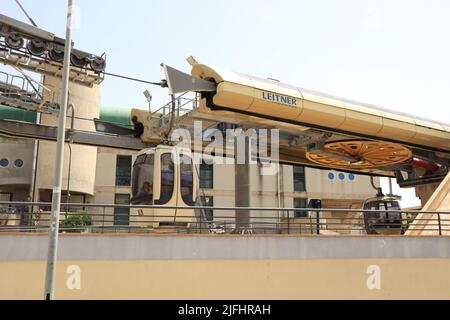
point(273, 100)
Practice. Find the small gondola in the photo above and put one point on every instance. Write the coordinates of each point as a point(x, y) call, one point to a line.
point(383, 220)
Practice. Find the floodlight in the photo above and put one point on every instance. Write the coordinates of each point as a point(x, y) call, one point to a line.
point(191, 60)
point(147, 95)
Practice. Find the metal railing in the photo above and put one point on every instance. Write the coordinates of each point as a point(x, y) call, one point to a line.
point(183, 104)
point(24, 92)
point(106, 218)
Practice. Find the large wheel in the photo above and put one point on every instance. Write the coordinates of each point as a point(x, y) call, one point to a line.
point(36, 47)
point(78, 60)
point(98, 64)
point(367, 154)
point(57, 53)
point(15, 41)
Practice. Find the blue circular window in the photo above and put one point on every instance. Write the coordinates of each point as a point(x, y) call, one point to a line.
point(4, 163)
point(351, 176)
point(18, 163)
point(341, 176)
point(331, 175)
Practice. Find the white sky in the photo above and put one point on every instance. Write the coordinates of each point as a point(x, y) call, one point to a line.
point(394, 54)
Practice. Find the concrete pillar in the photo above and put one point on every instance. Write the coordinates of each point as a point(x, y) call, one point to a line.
point(425, 191)
point(242, 182)
point(83, 158)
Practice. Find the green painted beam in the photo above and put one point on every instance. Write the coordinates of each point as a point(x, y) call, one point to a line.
point(10, 113)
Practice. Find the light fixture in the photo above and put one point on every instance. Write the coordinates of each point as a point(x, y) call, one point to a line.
point(191, 60)
point(148, 96)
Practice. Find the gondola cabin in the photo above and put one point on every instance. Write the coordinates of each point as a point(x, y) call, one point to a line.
point(164, 175)
point(379, 222)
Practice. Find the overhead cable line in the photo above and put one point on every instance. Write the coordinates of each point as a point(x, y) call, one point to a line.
point(25, 12)
point(162, 83)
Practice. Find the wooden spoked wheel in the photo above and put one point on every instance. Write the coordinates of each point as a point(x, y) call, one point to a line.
point(366, 154)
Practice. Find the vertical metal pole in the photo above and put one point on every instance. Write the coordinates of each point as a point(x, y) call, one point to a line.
point(318, 222)
point(68, 181)
point(103, 220)
point(439, 221)
point(201, 223)
point(56, 200)
point(278, 195)
point(288, 220)
point(34, 172)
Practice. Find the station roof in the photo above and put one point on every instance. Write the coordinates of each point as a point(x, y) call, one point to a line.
point(120, 116)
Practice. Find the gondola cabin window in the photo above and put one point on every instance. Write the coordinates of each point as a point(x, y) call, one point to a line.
point(142, 182)
point(167, 179)
point(187, 180)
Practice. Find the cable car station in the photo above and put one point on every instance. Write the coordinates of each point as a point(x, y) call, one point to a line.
point(163, 213)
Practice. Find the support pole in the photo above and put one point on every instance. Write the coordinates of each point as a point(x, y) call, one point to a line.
point(56, 200)
point(33, 174)
point(242, 184)
point(390, 186)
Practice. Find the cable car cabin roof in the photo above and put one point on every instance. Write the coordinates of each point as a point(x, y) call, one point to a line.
point(272, 99)
point(166, 148)
point(387, 198)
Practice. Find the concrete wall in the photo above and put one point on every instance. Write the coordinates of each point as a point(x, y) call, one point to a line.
point(13, 149)
point(425, 191)
point(227, 267)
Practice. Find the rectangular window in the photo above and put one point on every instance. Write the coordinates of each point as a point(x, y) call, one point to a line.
point(299, 178)
point(207, 201)
point(300, 203)
point(206, 176)
point(122, 215)
point(74, 198)
point(123, 171)
point(5, 196)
